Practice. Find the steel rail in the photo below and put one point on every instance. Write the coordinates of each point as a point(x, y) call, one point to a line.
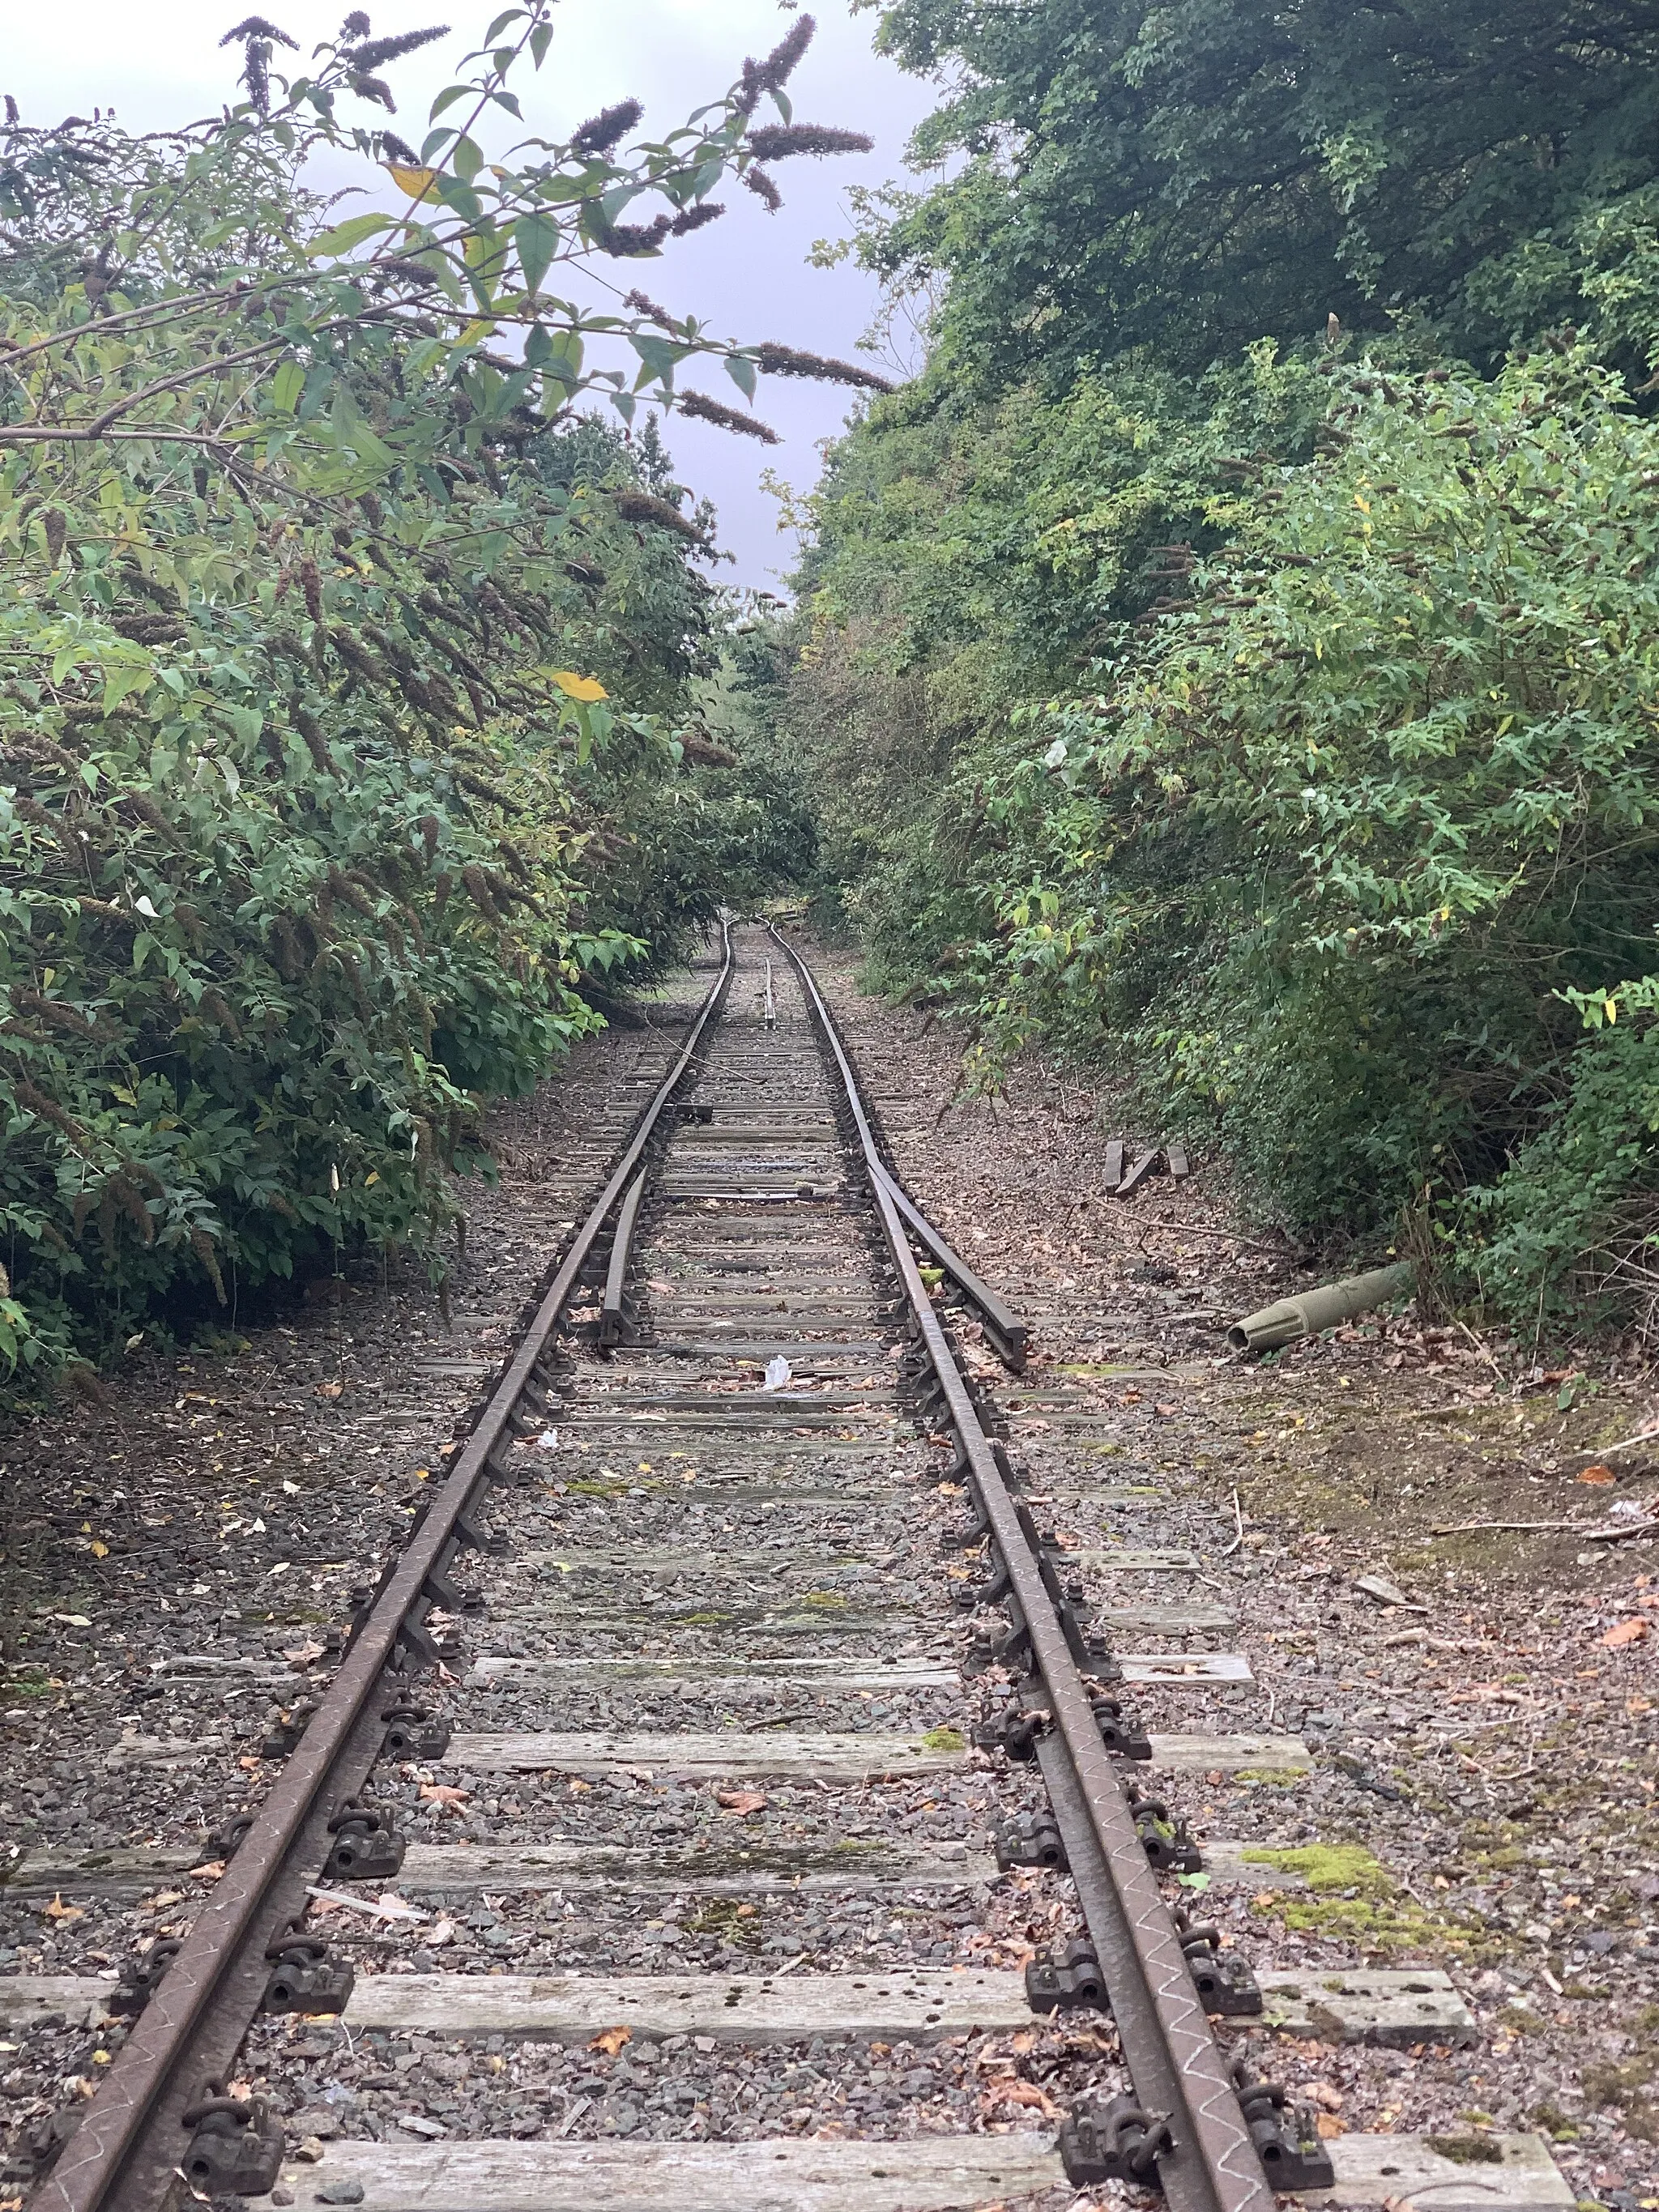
point(1211, 2165)
point(1006, 1327)
point(613, 1313)
point(126, 2152)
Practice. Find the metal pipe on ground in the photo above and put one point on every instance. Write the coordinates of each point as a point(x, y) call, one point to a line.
point(1272, 1326)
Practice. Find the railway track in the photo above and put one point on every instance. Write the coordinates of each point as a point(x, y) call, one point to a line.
point(732, 1615)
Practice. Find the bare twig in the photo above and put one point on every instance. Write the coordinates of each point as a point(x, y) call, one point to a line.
point(1464, 1528)
point(1238, 1523)
point(1203, 1229)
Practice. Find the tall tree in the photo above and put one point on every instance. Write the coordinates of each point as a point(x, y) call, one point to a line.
point(1191, 176)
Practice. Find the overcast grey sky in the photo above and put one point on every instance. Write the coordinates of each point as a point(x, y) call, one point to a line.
point(160, 63)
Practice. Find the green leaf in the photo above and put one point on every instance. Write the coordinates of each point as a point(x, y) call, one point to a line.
point(462, 197)
point(658, 357)
point(444, 102)
point(345, 235)
point(508, 15)
point(540, 40)
point(741, 370)
point(121, 682)
point(537, 238)
point(466, 158)
point(564, 359)
point(286, 387)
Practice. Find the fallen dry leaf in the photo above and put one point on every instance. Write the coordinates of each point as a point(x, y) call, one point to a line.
point(301, 1655)
point(444, 1793)
point(1598, 1475)
point(329, 1389)
point(210, 1870)
point(741, 1800)
point(1329, 2126)
point(1625, 1631)
point(1326, 2094)
point(58, 1911)
point(611, 2040)
point(1019, 2093)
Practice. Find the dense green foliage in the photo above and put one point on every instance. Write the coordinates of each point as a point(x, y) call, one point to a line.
point(1191, 179)
point(1271, 704)
point(349, 672)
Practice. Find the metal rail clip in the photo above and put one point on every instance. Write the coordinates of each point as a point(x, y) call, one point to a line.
point(303, 1979)
point(237, 2147)
point(1117, 2141)
point(1286, 2137)
point(1067, 1978)
point(1224, 1980)
point(367, 1847)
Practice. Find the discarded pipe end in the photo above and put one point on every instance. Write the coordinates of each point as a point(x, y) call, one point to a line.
point(1272, 1327)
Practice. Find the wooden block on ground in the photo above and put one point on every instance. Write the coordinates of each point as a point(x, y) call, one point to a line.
point(691, 1672)
point(918, 2006)
point(728, 1753)
point(1471, 2173)
point(26, 1999)
point(1177, 1668)
point(1164, 1619)
point(1358, 2005)
point(1120, 1561)
point(927, 2173)
point(1278, 1754)
point(725, 1870)
point(49, 1869)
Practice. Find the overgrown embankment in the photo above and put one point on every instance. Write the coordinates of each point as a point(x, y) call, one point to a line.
point(1241, 664)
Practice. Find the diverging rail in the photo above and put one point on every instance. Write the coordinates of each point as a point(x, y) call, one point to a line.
point(1186, 2125)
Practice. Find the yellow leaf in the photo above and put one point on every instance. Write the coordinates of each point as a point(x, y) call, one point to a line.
point(417, 183)
point(1611, 1009)
point(373, 1177)
point(584, 687)
point(611, 2040)
point(100, 1550)
point(1363, 505)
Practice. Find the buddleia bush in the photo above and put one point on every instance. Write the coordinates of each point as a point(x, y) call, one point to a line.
point(342, 652)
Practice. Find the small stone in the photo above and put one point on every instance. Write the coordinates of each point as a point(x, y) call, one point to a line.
point(310, 2150)
point(281, 2194)
point(340, 2193)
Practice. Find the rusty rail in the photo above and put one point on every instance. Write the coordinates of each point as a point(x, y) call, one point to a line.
point(126, 2152)
point(1211, 2164)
